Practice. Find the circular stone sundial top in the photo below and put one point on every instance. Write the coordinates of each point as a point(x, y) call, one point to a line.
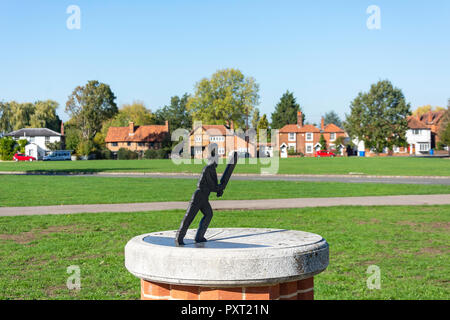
point(236, 239)
point(230, 257)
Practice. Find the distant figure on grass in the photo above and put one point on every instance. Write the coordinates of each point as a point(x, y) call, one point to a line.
point(206, 184)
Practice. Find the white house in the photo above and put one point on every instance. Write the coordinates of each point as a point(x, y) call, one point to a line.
point(37, 140)
point(418, 138)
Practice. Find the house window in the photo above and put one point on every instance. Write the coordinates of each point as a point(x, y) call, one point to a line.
point(416, 131)
point(140, 144)
point(114, 144)
point(309, 136)
point(309, 148)
point(198, 151)
point(47, 139)
point(217, 138)
point(332, 136)
point(198, 138)
point(32, 139)
point(291, 136)
point(424, 146)
point(129, 144)
point(221, 151)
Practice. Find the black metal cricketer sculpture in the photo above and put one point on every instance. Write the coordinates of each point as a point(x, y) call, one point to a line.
point(199, 201)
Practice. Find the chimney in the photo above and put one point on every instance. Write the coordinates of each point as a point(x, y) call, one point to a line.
point(231, 125)
point(131, 128)
point(167, 126)
point(322, 124)
point(430, 117)
point(62, 128)
point(299, 119)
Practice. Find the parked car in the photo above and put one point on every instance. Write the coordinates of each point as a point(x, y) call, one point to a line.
point(59, 155)
point(23, 157)
point(325, 153)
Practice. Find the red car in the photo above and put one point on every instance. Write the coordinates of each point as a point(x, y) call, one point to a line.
point(325, 153)
point(22, 157)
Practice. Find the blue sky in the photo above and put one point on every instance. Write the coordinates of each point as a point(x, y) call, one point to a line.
point(152, 50)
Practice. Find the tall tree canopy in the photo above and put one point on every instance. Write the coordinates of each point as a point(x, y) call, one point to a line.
point(136, 112)
point(5, 117)
point(285, 111)
point(332, 117)
point(227, 96)
point(89, 106)
point(379, 117)
point(45, 116)
point(41, 114)
point(255, 119)
point(424, 109)
point(444, 128)
point(176, 113)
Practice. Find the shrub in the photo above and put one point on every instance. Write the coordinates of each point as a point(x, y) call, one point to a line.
point(125, 154)
point(150, 154)
point(7, 148)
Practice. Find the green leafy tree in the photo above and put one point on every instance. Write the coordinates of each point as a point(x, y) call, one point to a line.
point(21, 114)
point(90, 106)
point(263, 124)
point(176, 113)
point(255, 119)
point(136, 112)
point(379, 117)
point(323, 142)
point(444, 128)
point(21, 145)
point(285, 111)
point(7, 148)
point(227, 96)
point(72, 136)
point(5, 118)
point(44, 115)
point(332, 117)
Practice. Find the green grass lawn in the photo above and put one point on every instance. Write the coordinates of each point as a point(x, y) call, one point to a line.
point(410, 245)
point(56, 190)
point(370, 166)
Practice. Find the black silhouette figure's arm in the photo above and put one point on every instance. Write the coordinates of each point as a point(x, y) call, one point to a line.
point(213, 184)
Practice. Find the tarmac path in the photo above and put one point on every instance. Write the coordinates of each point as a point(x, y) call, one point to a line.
point(409, 200)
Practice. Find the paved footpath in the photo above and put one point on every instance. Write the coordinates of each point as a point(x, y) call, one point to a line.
point(411, 200)
point(345, 178)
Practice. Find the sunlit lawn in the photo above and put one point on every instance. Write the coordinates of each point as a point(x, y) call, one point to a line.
point(410, 245)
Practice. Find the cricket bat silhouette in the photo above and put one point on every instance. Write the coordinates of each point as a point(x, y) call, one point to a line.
point(232, 160)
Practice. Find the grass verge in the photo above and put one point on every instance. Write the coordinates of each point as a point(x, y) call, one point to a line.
point(409, 244)
point(59, 190)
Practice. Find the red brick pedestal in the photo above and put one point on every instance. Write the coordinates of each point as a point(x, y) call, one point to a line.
point(294, 290)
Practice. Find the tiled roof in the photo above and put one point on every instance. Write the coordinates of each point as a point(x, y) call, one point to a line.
point(152, 133)
point(434, 116)
point(295, 128)
point(216, 127)
point(332, 128)
point(415, 123)
point(33, 132)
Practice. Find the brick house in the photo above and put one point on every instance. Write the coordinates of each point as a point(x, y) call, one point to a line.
point(136, 138)
point(305, 138)
point(224, 136)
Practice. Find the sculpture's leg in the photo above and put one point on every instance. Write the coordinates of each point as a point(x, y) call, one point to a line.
point(204, 222)
point(191, 212)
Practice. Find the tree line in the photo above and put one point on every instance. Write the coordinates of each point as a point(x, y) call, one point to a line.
point(377, 117)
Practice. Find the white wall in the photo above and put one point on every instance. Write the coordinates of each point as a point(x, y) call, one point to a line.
point(424, 136)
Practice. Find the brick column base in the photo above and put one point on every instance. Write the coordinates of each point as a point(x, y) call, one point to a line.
point(294, 290)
